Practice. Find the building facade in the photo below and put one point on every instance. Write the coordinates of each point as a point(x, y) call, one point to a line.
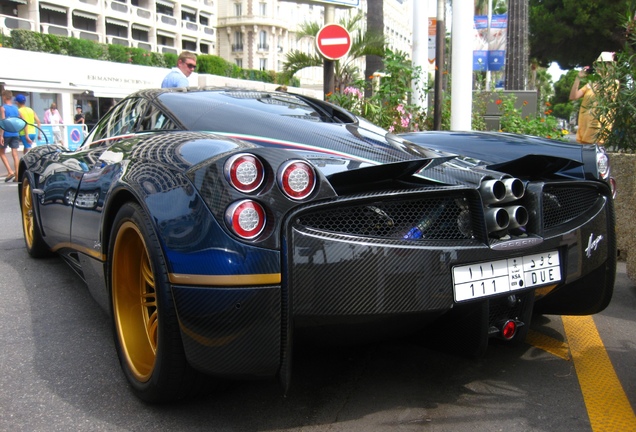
point(155, 25)
point(253, 34)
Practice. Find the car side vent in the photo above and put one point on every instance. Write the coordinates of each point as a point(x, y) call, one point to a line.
point(434, 218)
point(562, 204)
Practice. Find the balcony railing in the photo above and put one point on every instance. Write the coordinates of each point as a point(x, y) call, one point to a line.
point(263, 47)
point(142, 45)
point(166, 19)
point(189, 25)
point(166, 49)
point(13, 23)
point(237, 47)
point(114, 40)
point(145, 15)
point(85, 34)
point(119, 7)
point(53, 29)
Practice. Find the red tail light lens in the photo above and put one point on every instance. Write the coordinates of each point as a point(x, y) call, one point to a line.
point(297, 179)
point(246, 218)
point(245, 172)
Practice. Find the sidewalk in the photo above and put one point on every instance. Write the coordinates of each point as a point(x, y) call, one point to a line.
point(3, 172)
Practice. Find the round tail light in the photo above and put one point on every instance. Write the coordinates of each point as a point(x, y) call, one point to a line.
point(245, 172)
point(246, 218)
point(297, 179)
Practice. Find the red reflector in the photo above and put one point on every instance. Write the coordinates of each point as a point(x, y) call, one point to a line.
point(508, 330)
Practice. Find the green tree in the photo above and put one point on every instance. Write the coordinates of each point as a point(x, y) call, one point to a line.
point(362, 44)
point(574, 33)
point(561, 104)
point(616, 104)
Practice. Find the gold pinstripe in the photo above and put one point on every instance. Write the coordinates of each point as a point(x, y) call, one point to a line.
point(226, 280)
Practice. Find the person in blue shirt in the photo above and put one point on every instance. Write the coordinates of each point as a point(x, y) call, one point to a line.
point(178, 76)
point(9, 139)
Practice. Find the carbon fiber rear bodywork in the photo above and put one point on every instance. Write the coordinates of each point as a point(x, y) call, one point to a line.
point(376, 243)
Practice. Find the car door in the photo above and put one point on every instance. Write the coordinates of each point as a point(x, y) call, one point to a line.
point(104, 153)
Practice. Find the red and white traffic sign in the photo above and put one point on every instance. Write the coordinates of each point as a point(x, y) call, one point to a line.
point(333, 41)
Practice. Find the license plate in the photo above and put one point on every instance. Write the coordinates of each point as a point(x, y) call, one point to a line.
point(506, 275)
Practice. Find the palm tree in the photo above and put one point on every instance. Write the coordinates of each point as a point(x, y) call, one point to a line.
point(517, 46)
point(362, 44)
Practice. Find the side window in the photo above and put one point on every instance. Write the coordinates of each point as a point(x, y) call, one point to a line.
point(156, 120)
point(121, 120)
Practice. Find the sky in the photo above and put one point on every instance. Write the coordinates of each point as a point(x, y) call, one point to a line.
point(555, 71)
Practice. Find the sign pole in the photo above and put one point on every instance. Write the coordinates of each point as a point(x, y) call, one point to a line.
point(328, 65)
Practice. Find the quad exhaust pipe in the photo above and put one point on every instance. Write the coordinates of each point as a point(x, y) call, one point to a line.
point(501, 191)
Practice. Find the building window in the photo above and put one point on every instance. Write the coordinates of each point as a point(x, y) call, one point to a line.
point(262, 7)
point(164, 9)
point(188, 16)
point(188, 45)
point(238, 9)
point(204, 48)
point(84, 23)
point(53, 15)
point(165, 40)
point(139, 34)
point(262, 41)
point(204, 20)
point(262, 64)
point(116, 29)
point(238, 41)
point(239, 62)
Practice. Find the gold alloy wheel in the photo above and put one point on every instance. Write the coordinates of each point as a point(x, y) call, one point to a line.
point(134, 301)
point(27, 213)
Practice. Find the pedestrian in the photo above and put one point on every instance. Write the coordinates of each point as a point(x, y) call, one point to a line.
point(28, 134)
point(79, 116)
point(9, 139)
point(590, 123)
point(178, 76)
point(52, 117)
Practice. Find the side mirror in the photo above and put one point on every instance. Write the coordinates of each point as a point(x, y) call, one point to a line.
point(12, 124)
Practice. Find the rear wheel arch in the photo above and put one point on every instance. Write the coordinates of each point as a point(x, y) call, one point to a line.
point(145, 324)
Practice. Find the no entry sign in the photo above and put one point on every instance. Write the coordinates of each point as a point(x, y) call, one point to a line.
point(333, 41)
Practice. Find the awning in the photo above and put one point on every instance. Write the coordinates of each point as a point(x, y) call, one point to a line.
point(116, 22)
point(165, 34)
point(188, 10)
point(165, 3)
point(40, 86)
point(86, 15)
point(140, 27)
point(57, 9)
point(19, 1)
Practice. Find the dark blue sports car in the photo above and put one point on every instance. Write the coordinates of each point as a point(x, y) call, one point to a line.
point(218, 226)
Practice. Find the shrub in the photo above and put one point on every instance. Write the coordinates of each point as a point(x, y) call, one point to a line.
point(544, 125)
point(27, 40)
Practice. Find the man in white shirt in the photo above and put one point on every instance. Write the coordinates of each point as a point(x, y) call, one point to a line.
point(178, 76)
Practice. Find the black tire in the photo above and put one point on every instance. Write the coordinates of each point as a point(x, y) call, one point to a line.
point(146, 330)
point(35, 245)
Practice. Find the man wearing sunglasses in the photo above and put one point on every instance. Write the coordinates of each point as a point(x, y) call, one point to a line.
point(178, 76)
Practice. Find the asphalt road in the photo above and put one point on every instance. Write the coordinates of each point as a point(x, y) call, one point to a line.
point(59, 371)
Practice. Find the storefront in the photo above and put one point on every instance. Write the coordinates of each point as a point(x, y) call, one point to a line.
point(70, 81)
